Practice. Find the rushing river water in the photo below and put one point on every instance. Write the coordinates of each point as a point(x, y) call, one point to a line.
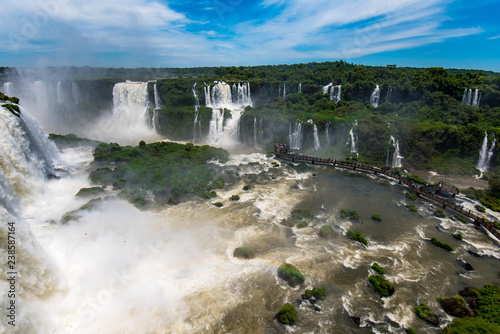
point(172, 270)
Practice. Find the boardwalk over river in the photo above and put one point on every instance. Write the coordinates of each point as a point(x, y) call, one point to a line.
point(281, 152)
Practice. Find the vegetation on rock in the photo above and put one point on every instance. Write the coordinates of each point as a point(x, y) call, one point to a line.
point(423, 311)
point(302, 224)
point(412, 207)
point(287, 315)
point(89, 192)
point(326, 231)
point(455, 306)
point(302, 213)
point(378, 268)
point(349, 214)
point(411, 196)
point(376, 217)
point(290, 274)
point(355, 235)
point(381, 285)
point(441, 244)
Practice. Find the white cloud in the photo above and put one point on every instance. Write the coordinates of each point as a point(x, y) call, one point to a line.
point(494, 37)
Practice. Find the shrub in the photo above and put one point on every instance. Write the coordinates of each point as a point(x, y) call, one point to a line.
point(439, 213)
point(458, 236)
point(287, 314)
point(411, 196)
point(412, 207)
point(441, 244)
point(378, 268)
point(376, 217)
point(355, 235)
point(326, 231)
point(319, 292)
point(455, 306)
point(381, 285)
point(471, 325)
point(462, 219)
point(216, 184)
point(290, 274)
point(244, 253)
point(423, 311)
point(348, 214)
point(235, 198)
point(480, 208)
point(302, 213)
point(302, 224)
point(246, 187)
point(410, 330)
point(218, 204)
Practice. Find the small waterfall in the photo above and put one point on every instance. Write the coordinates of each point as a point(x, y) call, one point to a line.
point(157, 97)
point(317, 145)
point(395, 160)
point(300, 87)
point(196, 123)
point(76, 93)
point(389, 95)
point(219, 97)
point(333, 91)
point(485, 154)
point(375, 98)
point(8, 89)
point(27, 156)
point(295, 135)
point(255, 132)
point(284, 91)
point(351, 141)
point(60, 96)
point(327, 134)
point(471, 99)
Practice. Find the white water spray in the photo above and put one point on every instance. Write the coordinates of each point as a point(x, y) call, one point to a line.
point(219, 97)
point(395, 160)
point(485, 154)
point(375, 98)
point(295, 135)
point(8, 89)
point(327, 134)
point(317, 144)
point(76, 93)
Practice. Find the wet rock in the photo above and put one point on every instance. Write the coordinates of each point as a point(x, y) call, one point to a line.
point(455, 306)
point(316, 308)
point(356, 320)
point(467, 266)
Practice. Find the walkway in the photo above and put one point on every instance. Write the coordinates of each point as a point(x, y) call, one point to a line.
point(281, 151)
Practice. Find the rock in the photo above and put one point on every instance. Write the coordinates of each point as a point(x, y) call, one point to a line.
point(316, 308)
point(455, 306)
point(356, 320)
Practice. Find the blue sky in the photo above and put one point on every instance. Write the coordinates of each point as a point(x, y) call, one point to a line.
point(143, 33)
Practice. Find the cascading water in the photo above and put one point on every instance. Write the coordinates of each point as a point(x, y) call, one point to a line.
point(8, 89)
point(327, 134)
point(351, 141)
point(375, 98)
point(27, 156)
point(196, 123)
point(60, 94)
point(300, 87)
point(485, 154)
point(317, 144)
point(295, 135)
point(219, 97)
point(395, 160)
point(157, 97)
point(333, 91)
point(389, 95)
point(471, 98)
point(284, 91)
point(76, 93)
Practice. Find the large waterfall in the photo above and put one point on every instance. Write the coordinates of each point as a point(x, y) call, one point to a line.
point(375, 98)
point(470, 98)
point(394, 159)
point(485, 154)
point(220, 97)
point(27, 155)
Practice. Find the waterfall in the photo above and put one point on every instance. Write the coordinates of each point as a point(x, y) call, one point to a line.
point(333, 91)
point(327, 134)
point(295, 135)
point(389, 95)
point(284, 91)
point(27, 156)
point(8, 89)
point(317, 145)
point(156, 97)
point(485, 154)
point(196, 123)
point(375, 98)
point(395, 159)
point(300, 87)
point(130, 100)
point(255, 132)
point(351, 141)
point(42, 100)
point(220, 97)
point(60, 96)
point(471, 99)
point(76, 93)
